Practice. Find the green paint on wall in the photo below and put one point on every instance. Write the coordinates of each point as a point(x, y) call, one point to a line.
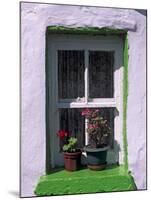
point(114, 178)
point(84, 30)
point(125, 95)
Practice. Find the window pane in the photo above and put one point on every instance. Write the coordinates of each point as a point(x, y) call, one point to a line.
point(72, 121)
point(101, 74)
point(70, 74)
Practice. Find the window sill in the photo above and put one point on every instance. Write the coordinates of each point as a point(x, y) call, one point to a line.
point(61, 182)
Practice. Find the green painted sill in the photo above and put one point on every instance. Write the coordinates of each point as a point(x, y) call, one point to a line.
point(62, 182)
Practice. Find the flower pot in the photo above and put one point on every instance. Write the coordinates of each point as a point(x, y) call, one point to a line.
point(96, 158)
point(72, 161)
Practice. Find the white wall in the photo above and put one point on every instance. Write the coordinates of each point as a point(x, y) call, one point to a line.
point(136, 113)
point(34, 20)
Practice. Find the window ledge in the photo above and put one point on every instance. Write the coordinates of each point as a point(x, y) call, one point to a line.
point(61, 182)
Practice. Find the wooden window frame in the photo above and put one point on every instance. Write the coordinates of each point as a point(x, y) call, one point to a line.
point(86, 43)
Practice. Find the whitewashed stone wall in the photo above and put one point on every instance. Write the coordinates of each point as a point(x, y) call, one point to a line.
point(34, 20)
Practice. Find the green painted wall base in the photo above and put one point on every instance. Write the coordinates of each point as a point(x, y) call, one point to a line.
point(61, 182)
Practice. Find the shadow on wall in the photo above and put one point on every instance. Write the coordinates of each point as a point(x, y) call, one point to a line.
point(113, 154)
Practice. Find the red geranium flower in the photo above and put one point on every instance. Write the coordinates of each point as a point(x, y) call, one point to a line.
point(62, 134)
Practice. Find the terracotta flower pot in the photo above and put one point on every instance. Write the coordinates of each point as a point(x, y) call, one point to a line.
point(72, 161)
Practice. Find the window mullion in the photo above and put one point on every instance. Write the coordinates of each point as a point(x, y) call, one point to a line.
point(86, 75)
point(86, 80)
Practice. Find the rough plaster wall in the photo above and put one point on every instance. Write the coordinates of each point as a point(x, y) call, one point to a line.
point(35, 18)
point(136, 115)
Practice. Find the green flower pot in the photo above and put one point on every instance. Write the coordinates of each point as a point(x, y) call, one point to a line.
point(96, 157)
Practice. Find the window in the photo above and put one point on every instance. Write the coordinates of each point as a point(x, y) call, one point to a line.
point(84, 72)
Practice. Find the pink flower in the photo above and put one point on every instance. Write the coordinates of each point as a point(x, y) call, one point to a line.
point(94, 115)
point(85, 112)
point(97, 110)
point(92, 126)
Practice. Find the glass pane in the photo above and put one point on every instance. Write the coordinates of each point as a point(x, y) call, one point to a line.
point(72, 121)
point(70, 74)
point(101, 74)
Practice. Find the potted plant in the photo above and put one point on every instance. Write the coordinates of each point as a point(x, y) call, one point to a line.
point(72, 155)
point(98, 132)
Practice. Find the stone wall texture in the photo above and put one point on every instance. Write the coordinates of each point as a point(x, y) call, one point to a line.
point(34, 20)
